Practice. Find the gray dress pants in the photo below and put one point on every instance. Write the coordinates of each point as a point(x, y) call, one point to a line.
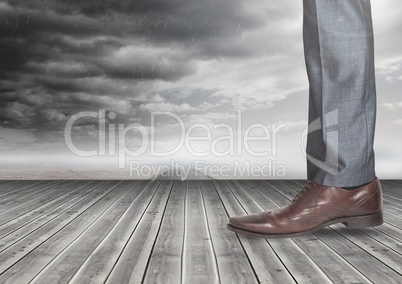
point(339, 53)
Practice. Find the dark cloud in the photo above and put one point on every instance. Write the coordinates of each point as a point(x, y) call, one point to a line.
point(59, 57)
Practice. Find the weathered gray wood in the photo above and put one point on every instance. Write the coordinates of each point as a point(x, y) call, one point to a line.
point(371, 267)
point(266, 264)
point(392, 187)
point(131, 265)
point(63, 267)
point(165, 263)
point(329, 261)
point(20, 184)
point(392, 207)
point(199, 263)
point(375, 248)
point(42, 199)
point(393, 199)
point(21, 220)
point(23, 190)
point(22, 226)
point(15, 185)
point(390, 231)
point(22, 261)
point(20, 198)
point(100, 262)
point(392, 219)
point(103, 232)
point(233, 265)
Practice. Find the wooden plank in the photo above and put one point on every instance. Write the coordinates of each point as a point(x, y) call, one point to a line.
point(131, 265)
point(13, 185)
point(389, 231)
point(44, 198)
point(26, 224)
point(63, 267)
point(101, 261)
point(4, 182)
point(266, 264)
point(199, 263)
point(31, 188)
point(16, 186)
point(21, 220)
point(392, 219)
point(165, 262)
point(392, 207)
point(369, 266)
point(393, 201)
point(51, 242)
point(329, 261)
point(299, 264)
point(392, 187)
point(22, 261)
point(20, 200)
point(233, 265)
point(369, 243)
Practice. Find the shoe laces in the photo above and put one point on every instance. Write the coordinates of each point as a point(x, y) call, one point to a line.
point(301, 192)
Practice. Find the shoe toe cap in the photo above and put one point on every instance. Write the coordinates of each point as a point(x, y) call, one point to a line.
point(247, 221)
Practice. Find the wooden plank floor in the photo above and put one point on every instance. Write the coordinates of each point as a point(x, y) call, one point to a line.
point(172, 231)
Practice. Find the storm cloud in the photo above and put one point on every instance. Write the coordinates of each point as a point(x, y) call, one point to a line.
point(54, 53)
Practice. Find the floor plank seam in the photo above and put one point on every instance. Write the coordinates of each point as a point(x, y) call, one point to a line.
point(132, 233)
point(37, 228)
point(237, 236)
point(209, 234)
point(157, 234)
point(81, 234)
point(100, 231)
point(71, 280)
point(34, 248)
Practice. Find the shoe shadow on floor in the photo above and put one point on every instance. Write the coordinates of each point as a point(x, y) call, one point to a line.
point(331, 232)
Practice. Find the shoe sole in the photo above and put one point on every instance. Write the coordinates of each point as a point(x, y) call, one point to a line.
point(358, 222)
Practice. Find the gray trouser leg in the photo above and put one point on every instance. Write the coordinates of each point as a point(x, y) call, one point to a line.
point(339, 53)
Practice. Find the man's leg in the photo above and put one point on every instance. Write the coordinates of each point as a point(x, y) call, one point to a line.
point(339, 53)
point(338, 40)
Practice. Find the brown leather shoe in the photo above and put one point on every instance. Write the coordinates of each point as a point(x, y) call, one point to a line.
point(315, 207)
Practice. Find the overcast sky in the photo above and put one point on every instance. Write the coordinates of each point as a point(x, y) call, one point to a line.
point(204, 61)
